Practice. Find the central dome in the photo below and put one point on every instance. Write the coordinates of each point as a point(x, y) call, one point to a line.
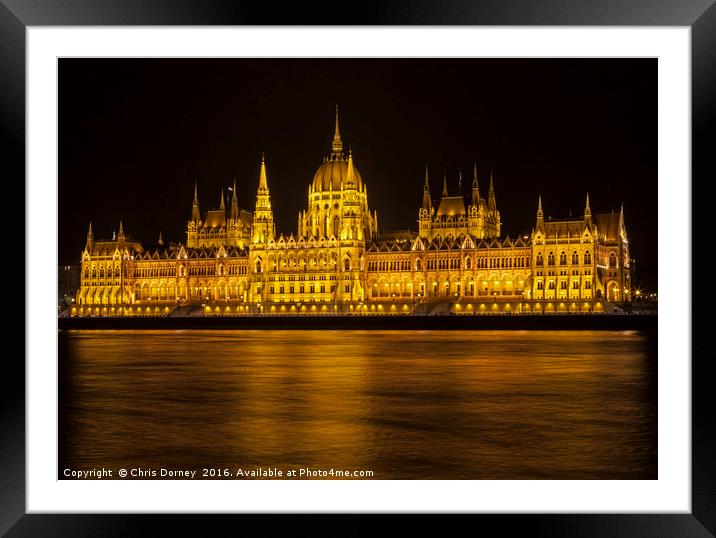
point(333, 172)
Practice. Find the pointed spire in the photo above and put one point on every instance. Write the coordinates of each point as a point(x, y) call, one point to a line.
point(587, 212)
point(90, 237)
point(263, 183)
point(195, 215)
point(337, 145)
point(491, 203)
point(475, 187)
point(427, 201)
point(234, 203)
point(459, 181)
point(445, 191)
point(121, 228)
point(221, 205)
point(540, 213)
point(350, 177)
point(161, 240)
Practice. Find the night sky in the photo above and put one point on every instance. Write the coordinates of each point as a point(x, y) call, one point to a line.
point(134, 134)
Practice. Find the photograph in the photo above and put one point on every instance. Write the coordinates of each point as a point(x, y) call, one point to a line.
point(357, 268)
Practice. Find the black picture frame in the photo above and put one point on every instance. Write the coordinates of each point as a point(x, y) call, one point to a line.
point(16, 15)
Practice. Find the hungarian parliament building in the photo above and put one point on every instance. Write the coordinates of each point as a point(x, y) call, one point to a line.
point(340, 262)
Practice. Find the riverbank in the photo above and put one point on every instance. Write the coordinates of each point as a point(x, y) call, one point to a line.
point(607, 322)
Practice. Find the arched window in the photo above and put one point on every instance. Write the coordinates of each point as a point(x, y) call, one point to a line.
point(540, 285)
point(258, 266)
point(540, 259)
point(347, 264)
point(612, 260)
point(550, 258)
point(418, 265)
point(562, 258)
point(575, 258)
point(587, 258)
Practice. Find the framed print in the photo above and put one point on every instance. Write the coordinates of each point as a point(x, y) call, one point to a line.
point(406, 262)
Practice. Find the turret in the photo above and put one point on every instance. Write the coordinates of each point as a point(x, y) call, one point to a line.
point(221, 204)
point(445, 191)
point(263, 225)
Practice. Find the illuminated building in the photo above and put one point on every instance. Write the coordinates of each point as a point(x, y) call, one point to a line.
point(338, 261)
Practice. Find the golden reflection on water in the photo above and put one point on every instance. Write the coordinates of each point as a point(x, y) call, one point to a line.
point(404, 404)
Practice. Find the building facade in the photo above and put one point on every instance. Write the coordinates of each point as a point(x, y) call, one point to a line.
point(340, 262)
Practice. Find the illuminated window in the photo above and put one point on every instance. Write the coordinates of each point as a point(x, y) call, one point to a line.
point(540, 259)
point(551, 284)
point(587, 258)
point(563, 285)
point(575, 284)
point(258, 266)
point(612, 260)
point(575, 258)
point(540, 285)
point(563, 258)
point(550, 258)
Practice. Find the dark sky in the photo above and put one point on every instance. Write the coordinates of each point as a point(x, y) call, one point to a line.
point(134, 134)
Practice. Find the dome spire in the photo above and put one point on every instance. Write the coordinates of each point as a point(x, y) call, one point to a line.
point(337, 145)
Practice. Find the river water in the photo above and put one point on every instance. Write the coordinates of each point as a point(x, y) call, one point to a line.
point(400, 404)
